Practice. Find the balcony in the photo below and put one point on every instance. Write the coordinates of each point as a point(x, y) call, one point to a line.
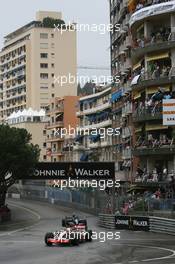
point(55, 110)
point(127, 109)
point(150, 151)
point(55, 125)
point(57, 153)
point(143, 115)
point(95, 109)
point(54, 138)
point(152, 10)
point(78, 147)
point(147, 79)
point(138, 52)
point(126, 153)
point(126, 132)
point(102, 124)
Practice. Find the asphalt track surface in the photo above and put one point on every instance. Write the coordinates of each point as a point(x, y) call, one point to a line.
point(21, 241)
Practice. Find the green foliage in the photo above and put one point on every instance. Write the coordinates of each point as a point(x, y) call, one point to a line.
point(50, 22)
point(17, 155)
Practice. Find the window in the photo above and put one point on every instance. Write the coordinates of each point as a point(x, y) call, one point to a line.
point(44, 157)
point(52, 35)
point(53, 75)
point(44, 45)
point(43, 36)
point(53, 55)
point(53, 85)
point(44, 75)
point(52, 45)
point(52, 65)
point(53, 95)
point(44, 132)
point(44, 65)
point(44, 144)
point(44, 87)
point(43, 55)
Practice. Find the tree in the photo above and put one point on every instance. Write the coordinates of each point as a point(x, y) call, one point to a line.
point(17, 157)
point(50, 22)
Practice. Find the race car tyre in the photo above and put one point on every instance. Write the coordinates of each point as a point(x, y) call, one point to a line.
point(75, 242)
point(89, 236)
point(82, 221)
point(47, 236)
point(63, 223)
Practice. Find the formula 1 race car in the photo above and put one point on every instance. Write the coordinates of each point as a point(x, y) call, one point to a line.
point(68, 236)
point(71, 221)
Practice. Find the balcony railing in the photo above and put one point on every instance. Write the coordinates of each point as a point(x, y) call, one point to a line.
point(144, 47)
point(103, 123)
point(147, 114)
point(127, 109)
point(162, 150)
point(149, 78)
point(55, 124)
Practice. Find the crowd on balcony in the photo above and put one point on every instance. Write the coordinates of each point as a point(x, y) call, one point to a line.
point(161, 35)
point(155, 175)
point(154, 142)
point(152, 105)
point(146, 3)
point(98, 118)
point(155, 71)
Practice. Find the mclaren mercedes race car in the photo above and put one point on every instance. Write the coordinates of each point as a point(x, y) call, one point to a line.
point(70, 221)
point(68, 236)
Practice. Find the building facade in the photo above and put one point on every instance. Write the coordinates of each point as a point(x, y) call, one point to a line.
point(34, 122)
point(61, 127)
point(94, 137)
point(152, 29)
point(121, 67)
point(32, 61)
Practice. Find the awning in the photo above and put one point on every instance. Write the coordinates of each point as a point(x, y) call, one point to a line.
point(158, 57)
point(138, 129)
point(136, 95)
point(84, 157)
point(152, 90)
point(131, 5)
point(155, 127)
point(135, 79)
point(79, 138)
point(116, 96)
point(94, 138)
point(137, 65)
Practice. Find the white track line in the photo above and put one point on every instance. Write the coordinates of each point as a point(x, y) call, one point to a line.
point(150, 247)
point(24, 228)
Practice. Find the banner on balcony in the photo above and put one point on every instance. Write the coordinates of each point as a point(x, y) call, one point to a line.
point(169, 112)
point(73, 170)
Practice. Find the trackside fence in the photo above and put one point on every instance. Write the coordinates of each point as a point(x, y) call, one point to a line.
point(135, 223)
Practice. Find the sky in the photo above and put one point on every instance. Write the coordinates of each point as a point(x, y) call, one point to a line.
point(92, 47)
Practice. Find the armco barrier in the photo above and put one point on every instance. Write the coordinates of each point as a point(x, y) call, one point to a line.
point(106, 220)
point(162, 225)
point(124, 222)
point(138, 223)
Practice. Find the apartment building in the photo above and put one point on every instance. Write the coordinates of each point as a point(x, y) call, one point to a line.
point(121, 67)
point(32, 60)
point(93, 142)
point(152, 27)
point(34, 122)
point(61, 114)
